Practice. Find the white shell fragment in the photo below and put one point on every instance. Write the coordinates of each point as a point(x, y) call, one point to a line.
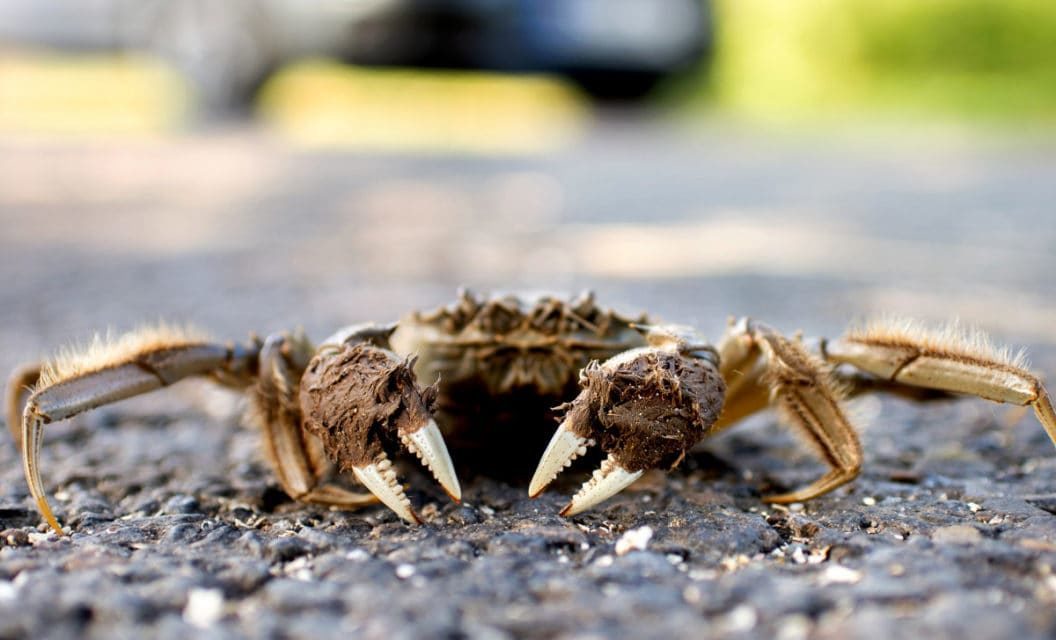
point(204, 607)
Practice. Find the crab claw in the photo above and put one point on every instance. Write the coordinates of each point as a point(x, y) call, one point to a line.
point(380, 478)
point(608, 480)
point(644, 407)
point(564, 447)
point(361, 401)
point(429, 446)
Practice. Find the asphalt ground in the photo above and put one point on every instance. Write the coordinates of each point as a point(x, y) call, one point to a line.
point(178, 525)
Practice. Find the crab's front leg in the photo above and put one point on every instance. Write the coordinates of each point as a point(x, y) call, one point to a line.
point(645, 408)
point(363, 401)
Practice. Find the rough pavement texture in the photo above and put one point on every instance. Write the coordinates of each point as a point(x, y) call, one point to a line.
point(178, 527)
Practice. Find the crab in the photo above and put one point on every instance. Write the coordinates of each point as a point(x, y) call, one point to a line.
point(487, 373)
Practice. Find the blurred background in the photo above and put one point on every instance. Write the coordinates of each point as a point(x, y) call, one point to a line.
point(254, 165)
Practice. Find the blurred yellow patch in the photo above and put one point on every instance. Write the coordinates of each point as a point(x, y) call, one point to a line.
point(321, 103)
point(981, 60)
point(88, 95)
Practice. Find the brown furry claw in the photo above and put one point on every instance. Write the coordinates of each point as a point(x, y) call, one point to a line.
point(362, 401)
point(645, 408)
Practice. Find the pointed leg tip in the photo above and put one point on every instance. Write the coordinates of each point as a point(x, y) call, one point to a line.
point(568, 510)
point(49, 517)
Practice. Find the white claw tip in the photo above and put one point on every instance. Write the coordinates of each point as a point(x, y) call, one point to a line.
point(428, 444)
point(607, 481)
point(564, 447)
point(380, 478)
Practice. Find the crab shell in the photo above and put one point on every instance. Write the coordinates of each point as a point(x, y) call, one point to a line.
point(507, 343)
point(502, 365)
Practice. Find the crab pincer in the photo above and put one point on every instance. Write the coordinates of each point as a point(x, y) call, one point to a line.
point(363, 402)
point(645, 408)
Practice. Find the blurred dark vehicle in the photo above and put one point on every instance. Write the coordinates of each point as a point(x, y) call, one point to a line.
point(616, 49)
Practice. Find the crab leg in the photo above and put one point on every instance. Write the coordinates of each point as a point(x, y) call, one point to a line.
point(947, 360)
point(297, 456)
point(21, 383)
point(153, 359)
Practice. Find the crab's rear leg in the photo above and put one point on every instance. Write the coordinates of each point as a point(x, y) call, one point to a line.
point(947, 360)
point(19, 384)
point(137, 364)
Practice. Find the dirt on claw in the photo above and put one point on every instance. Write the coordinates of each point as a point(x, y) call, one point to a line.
point(647, 412)
point(357, 398)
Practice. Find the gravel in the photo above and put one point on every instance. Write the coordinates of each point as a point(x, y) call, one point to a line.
point(171, 540)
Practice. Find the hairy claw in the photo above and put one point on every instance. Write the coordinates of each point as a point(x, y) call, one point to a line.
point(645, 408)
point(362, 401)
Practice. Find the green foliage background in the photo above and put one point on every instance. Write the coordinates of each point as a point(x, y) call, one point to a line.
point(979, 59)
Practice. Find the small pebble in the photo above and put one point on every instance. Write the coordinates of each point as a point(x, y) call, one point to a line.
point(869, 501)
point(15, 537)
point(839, 574)
point(634, 540)
point(181, 504)
point(957, 534)
point(742, 618)
point(404, 571)
point(204, 607)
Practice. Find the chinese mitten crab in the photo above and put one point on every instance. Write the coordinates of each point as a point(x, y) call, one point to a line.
point(643, 393)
